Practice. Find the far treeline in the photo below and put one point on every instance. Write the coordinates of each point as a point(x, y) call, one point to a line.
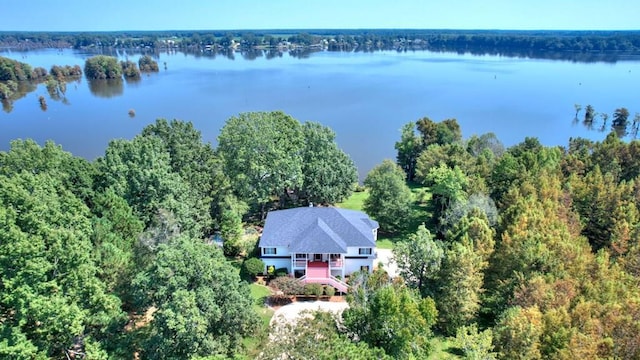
point(529, 252)
point(547, 44)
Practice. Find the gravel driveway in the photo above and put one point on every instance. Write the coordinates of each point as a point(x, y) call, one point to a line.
point(292, 311)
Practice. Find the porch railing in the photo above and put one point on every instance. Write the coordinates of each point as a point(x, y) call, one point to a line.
point(300, 262)
point(336, 263)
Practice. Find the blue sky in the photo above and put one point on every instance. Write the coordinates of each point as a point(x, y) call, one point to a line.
point(113, 15)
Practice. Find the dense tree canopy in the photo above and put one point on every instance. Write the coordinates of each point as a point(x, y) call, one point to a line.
point(110, 258)
point(389, 316)
point(262, 154)
point(102, 67)
point(202, 306)
point(271, 156)
point(140, 171)
point(390, 199)
point(329, 173)
point(51, 297)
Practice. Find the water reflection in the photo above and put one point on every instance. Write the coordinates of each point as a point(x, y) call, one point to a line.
point(106, 88)
point(19, 90)
point(134, 80)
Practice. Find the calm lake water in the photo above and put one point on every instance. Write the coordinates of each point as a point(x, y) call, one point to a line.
point(364, 97)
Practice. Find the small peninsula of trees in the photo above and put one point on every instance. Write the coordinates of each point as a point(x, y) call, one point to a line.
point(17, 79)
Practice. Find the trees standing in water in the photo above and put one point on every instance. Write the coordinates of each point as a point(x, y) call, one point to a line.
point(620, 123)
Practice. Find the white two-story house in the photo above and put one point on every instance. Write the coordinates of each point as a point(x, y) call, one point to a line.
point(313, 243)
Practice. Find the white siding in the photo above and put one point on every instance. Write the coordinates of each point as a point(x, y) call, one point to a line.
point(354, 260)
point(353, 265)
point(280, 251)
point(277, 263)
point(355, 251)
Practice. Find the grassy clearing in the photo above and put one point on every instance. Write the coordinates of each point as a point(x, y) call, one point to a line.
point(420, 213)
point(355, 201)
point(443, 348)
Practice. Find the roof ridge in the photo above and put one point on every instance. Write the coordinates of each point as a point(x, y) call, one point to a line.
point(332, 234)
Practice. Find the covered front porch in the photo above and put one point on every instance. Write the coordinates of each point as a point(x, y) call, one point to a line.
point(333, 263)
point(322, 268)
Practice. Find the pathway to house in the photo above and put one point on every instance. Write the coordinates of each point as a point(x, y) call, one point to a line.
point(385, 256)
point(291, 312)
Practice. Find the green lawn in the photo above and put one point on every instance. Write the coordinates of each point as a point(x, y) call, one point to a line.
point(259, 293)
point(443, 348)
point(420, 213)
point(355, 201)
point(253, 344)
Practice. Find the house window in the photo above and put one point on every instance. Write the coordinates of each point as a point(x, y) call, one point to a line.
point(301, 256)
point(364, 251)
point(364, 268)
point(268, 251)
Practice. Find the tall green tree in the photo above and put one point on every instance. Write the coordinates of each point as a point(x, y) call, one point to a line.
point(448, 186)
point(300, 340)
point(408, 149)
point(203, 308)
point(262, 154)
point(390, 199)
point(329, 174)
point(517, 334)
point(461, 279)
point(445, 132)
point(50, 294)
point(393, 318)
point(115, 238)
point(419, 260)
point(140, 171)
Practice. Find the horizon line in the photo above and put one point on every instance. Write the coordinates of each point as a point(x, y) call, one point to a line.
point(324, 29)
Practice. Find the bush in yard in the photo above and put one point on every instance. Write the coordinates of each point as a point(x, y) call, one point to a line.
point(329, 290)
point(287, 285)
point(282, 272)
point(254, 266)
point(313, 289)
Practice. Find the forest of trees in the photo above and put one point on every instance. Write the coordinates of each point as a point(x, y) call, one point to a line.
point(89, 248)
point(530, 252)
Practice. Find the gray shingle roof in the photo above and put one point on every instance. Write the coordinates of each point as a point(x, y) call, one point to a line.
point(318, 230)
